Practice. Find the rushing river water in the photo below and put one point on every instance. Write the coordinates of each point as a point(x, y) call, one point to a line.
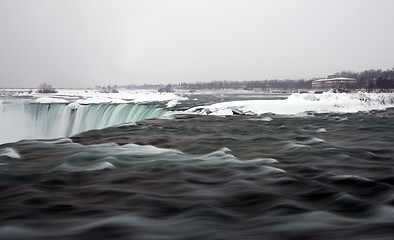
point(198, 173)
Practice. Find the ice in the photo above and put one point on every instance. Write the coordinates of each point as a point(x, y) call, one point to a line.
point(97, 97)
point(51, 100)
point(301, 103)
point(95, 100)
point(172, 103)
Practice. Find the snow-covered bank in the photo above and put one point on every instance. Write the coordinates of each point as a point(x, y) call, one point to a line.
point(95, 97)
point(300, 103)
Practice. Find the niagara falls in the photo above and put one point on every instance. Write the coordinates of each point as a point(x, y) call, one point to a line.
point(196, 120)
point(257, 164)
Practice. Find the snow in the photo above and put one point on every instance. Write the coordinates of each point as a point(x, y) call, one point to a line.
point(302, 103)
point(95, 97)
point(297, 103)
point(97, 100)
point(51, 100)
point(172, 103)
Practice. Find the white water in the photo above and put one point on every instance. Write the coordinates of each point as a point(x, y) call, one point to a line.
point(70, 111)
point(301, 103)
point(36, 120)
point(53, 116)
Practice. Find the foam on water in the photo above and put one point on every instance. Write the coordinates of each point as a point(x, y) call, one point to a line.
point(95, 167)
point(261, 160)
point(266, 119)
point(9, 152)
point(314, 140)
point(321, 130)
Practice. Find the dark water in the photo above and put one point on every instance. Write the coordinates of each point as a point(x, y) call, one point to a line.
point(321, 176)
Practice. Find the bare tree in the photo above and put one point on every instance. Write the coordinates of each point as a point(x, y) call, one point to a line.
point(46, 88)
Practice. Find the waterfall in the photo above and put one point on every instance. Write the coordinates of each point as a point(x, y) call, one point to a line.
point(37, 120)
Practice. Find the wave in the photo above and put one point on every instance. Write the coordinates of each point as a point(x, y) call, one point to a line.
point(95, 167)
point(9, 152)
point(64, 190)
point(75, 157)
point(327, 102)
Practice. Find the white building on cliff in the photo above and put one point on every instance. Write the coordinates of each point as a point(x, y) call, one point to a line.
point(334, 82)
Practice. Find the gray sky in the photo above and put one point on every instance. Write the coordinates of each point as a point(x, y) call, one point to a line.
point(81, 43)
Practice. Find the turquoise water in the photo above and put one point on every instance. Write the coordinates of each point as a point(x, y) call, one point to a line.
point(36, 120)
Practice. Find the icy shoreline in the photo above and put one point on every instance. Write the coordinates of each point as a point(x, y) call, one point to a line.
point(299, 103)
point(93, 96)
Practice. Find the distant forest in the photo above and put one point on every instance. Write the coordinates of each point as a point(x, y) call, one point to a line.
point(370, 80)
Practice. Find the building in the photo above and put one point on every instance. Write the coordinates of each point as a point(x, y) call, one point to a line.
point(334, 82)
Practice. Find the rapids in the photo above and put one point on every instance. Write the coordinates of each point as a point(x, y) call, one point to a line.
point(227, 169)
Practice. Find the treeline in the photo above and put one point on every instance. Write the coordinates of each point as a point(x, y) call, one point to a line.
point(369, 80)
point(247, 85)
point(45, 88)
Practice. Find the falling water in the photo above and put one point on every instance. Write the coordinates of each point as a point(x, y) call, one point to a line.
point(37, 120)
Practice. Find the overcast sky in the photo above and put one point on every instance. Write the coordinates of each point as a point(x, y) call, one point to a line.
point(81, 43)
